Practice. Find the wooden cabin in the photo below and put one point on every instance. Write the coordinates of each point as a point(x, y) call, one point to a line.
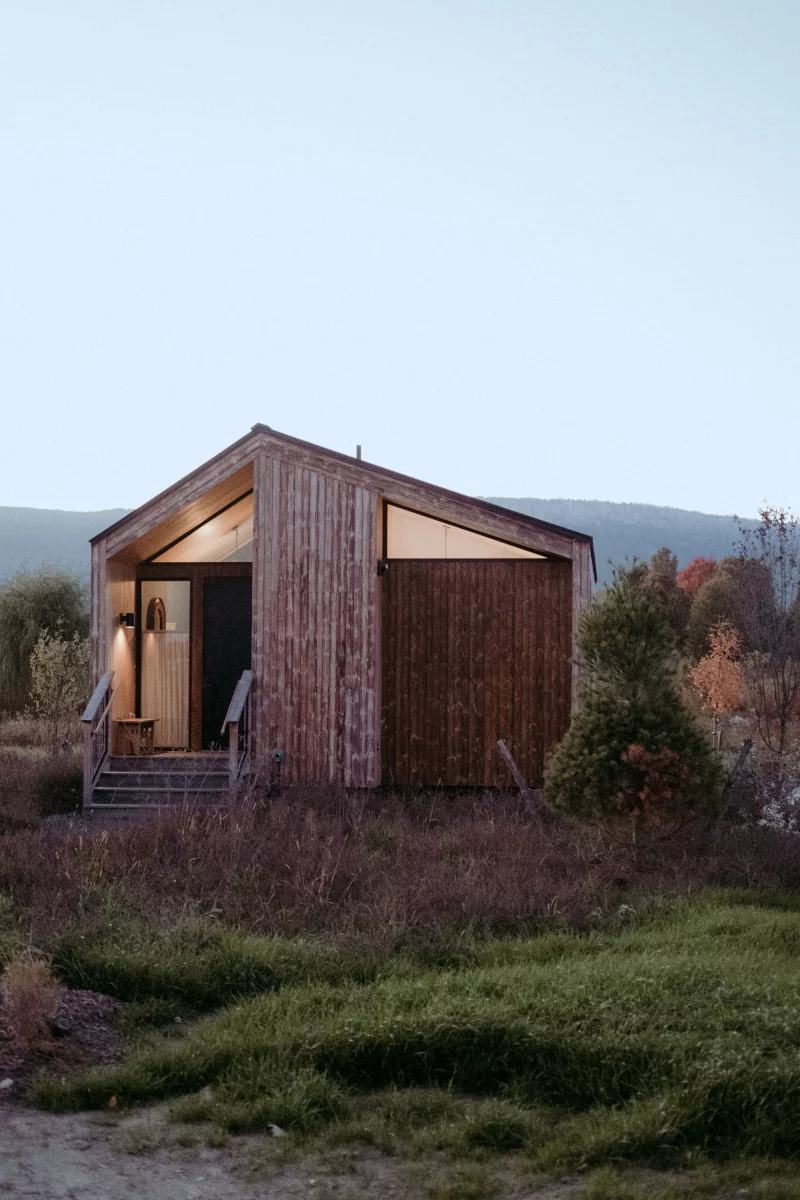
point(295, 611)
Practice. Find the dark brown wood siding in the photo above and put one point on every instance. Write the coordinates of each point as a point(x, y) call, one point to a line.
point(317, 612)
point(473, 652)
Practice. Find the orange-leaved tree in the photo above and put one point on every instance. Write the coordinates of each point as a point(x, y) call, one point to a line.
point(718, 675)
point(695, 574)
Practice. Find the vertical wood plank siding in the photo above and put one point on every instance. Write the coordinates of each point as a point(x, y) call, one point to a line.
point(473, 652)
point(315, 624)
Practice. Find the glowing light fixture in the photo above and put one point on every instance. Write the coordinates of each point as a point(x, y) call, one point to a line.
point(127, 619)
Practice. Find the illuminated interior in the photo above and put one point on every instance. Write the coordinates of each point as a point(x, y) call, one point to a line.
point(227, 537)
point(165, 612)
point(412, 535)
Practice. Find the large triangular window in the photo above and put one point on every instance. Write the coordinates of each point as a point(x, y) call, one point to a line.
point(413, 535)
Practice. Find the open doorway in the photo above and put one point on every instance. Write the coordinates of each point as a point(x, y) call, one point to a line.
point(194, 634)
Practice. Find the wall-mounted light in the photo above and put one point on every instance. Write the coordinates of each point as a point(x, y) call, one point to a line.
point(127, 619)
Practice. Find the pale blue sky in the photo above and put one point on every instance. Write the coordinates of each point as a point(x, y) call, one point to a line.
point(539, 248)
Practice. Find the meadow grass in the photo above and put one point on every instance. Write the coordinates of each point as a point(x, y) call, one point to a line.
point(678, 1034)
point(198, 964)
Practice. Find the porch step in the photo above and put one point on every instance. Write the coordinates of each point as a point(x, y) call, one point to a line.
point(173, 780)
point(213, 760)
point(132, 781)
point(134, 797)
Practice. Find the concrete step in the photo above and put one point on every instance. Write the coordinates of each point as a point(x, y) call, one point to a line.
point(181, 763)
point(181, 789)
point(143, 800)
point(166, 797)
point(165, 779)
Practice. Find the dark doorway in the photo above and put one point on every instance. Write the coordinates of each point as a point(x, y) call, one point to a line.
point(227, 626)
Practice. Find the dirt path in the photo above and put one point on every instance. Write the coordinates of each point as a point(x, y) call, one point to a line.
point(137, 1157)
point(71, 1158)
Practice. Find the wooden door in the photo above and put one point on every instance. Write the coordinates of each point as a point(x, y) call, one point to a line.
point(473, 652)
point(227, 628)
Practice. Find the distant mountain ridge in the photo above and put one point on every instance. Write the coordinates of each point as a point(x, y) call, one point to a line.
point(32, 536)
point(621, 531)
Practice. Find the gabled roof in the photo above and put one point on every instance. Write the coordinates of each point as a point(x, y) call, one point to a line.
point(201, 493)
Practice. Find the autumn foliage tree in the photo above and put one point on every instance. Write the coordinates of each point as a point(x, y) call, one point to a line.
point(733, 587)
point(695, 574)
point(718, 675)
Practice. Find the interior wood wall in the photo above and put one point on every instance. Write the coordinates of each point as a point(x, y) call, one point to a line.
point(473, 652)
point(315, 624)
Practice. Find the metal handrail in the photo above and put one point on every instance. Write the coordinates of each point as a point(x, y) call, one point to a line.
point(238, 714)
point(97, 697)
point(96, 736)
point(236, 706)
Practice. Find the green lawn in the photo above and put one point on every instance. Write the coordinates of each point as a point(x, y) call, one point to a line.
point(671, 1038)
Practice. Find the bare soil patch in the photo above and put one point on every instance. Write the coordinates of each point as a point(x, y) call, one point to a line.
point(84, 1031)
point(140, 1156)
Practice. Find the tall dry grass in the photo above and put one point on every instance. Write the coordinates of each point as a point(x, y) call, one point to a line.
point(35, 785)
point(383, 875)
point(29, 993)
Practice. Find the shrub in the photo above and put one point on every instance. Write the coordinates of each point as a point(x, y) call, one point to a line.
point(58, 784)
point(59, 682)
point(632, 749)
point(49, 598)
point(34, 786)
point(24, 731)
point(30, 997)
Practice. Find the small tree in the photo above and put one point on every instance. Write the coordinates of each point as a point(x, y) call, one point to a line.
point(695, 574)
point(59, 681)
point(49, 598)
point(718, 676)
point(632, 752)
point(662, 575)
point(722, 598)
point(768, 612)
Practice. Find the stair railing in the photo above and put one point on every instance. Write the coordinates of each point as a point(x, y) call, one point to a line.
point(96, 722)
point(237, 723)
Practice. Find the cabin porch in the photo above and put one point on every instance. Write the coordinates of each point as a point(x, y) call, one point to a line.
point(154, 778)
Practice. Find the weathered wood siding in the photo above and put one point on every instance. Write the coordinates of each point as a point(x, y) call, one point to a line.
point(473, 652)
point(315, 624)
point(318, 619)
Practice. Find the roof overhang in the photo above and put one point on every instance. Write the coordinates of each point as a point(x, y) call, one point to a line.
point(229, 474)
